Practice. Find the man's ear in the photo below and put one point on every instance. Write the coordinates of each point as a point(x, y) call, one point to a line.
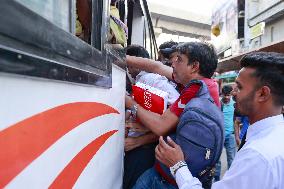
point(195, 67)
point(263, 94)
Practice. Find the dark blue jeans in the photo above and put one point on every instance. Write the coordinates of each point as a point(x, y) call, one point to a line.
point(136, 162)
point(151, 179)
point(231, 147)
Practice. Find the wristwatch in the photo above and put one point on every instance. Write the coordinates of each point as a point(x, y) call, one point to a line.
point(133, 111)
point(176, 166)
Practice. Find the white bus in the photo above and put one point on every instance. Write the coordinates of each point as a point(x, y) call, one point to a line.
point(62, 98)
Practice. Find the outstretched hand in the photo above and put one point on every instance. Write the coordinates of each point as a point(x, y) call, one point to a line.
point(131, 143)
point(129, 101)
point(168, 153)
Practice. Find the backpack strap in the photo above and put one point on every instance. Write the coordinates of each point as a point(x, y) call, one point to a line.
point(203, 90)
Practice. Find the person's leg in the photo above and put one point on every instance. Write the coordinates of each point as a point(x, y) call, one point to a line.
point(136, 162)
point(231, 147)
point(217, 171)
point(145, 181)
point(207, 185)
point(151, 179)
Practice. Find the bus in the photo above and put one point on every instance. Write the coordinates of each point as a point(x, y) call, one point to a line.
point(62, 111)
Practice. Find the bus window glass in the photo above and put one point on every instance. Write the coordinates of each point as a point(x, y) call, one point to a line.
point(57, 12)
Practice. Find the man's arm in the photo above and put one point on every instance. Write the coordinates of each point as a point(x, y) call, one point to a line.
point(149, 65)
point(249, 167)
point(158, 124)
point(134, 142)
point(170, 154)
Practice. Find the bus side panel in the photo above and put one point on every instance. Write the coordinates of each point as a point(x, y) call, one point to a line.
point(61, 135)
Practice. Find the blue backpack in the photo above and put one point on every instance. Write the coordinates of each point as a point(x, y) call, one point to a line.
point(200, 134)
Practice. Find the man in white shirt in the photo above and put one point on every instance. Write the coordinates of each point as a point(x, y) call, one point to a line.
point(260, 162)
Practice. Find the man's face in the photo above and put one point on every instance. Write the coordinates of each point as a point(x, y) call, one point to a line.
point(133, 71)
point(244, 93)
point(226, 98)
point(181, 70)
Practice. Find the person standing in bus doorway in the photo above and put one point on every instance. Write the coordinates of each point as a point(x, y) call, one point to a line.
point(227, 107)
point(259, 164)
point(195, 60)
point(140, 146)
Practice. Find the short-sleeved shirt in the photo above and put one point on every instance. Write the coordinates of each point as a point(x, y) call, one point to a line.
point(228, 112)
point(190, 92)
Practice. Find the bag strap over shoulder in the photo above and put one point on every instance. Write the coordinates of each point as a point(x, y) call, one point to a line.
point(203, 90)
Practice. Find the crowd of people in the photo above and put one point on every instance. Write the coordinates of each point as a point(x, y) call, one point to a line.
point(252, 110)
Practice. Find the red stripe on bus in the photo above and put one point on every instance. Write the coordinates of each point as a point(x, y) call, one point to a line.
point(23, 142)
point(70, 174)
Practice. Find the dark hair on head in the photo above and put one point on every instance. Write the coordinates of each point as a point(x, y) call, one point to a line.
point(201, 52)
point(112, 2)
point(168, 44)
point(227, 89)
point(269, 69)
point(137, 50)
point(167, 48)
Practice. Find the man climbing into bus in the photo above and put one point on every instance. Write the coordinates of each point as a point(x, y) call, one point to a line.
point(140, 146)
point(195, 61)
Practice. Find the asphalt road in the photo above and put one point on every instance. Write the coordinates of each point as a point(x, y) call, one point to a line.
point(223, 163)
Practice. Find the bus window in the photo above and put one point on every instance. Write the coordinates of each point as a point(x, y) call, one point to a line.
point(56, 12)
point(43, 35)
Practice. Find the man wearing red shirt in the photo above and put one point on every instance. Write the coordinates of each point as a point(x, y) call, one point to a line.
point(194, 61)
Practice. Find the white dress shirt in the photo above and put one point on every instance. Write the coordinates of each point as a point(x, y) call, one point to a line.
point(258, 165)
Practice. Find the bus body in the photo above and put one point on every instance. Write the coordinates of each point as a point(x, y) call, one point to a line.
point(62, 99)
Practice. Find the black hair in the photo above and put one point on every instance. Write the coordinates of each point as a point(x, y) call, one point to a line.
point(167, 48)
point(168, 44)
point(227, 89)
point(201, 52)
point(269, 69)
point(137, 50)
point(112, 2)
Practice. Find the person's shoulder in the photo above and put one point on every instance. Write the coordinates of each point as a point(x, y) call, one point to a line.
point(192, 89)
point(232, 102)
point(211, 84)
point(271, 146)
point(210, 81)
